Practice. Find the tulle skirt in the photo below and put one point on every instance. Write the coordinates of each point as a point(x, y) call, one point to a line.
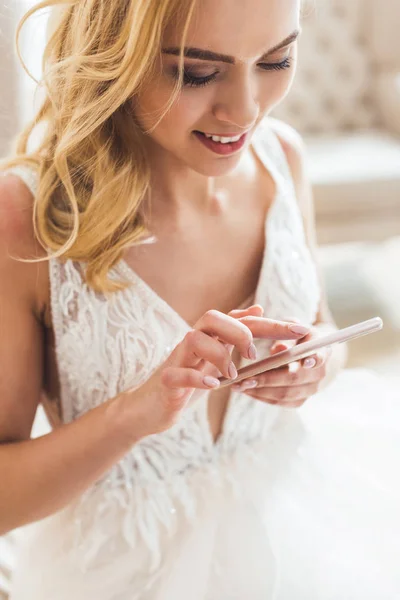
point(311, 513)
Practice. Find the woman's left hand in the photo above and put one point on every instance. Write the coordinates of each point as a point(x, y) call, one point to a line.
point(289, 386)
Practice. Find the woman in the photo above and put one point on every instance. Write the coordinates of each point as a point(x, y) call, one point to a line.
point(161, 217)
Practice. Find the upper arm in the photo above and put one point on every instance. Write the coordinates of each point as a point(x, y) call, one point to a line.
point(21, 332)
point(294, 149)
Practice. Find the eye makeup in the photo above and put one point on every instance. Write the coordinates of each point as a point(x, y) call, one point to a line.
point(191, 79)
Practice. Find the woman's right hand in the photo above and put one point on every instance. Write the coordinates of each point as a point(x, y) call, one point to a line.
point(203, 355)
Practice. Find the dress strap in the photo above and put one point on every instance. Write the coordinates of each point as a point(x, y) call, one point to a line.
point(269, 147)
point(28, 175)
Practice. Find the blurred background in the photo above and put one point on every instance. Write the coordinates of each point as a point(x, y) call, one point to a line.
point(346, 103)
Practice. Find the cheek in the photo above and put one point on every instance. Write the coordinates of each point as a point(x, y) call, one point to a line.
point(186, 111)
point(149, 104)
point(274, 91)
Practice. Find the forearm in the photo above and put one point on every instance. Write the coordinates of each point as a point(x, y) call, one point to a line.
point(41, 476)
point(337, 360)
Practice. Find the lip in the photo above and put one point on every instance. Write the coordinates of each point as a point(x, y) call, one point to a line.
point(224, 134)
point(227, 149)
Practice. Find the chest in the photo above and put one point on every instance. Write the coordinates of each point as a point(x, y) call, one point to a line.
point(211, 260)
point(216, 266)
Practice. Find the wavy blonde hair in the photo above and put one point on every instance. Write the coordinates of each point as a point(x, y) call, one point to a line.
point(92, 167)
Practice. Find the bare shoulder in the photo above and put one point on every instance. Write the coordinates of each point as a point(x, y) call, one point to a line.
point(16, 204)
point(22, 332)
point(18, 240)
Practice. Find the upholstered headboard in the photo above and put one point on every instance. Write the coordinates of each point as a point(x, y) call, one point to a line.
point(349, 67)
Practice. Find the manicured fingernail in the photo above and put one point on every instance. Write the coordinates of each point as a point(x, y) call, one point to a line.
point(309, 363)
point(211, 382)
point(252, 352)
point(299, 329)
point(232, 371)
point(245, 385)
point(249, 383)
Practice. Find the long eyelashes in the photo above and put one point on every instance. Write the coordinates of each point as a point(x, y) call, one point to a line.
point(192, 81)
point(285, 64)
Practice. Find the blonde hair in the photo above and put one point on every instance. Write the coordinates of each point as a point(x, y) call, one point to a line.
point(92, 167)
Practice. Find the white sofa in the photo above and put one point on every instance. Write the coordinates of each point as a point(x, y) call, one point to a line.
point(346, 102)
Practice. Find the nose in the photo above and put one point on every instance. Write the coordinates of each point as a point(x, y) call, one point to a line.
point(237, 103)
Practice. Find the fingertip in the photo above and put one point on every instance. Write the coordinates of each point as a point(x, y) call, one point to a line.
point(281, 347)
point(310, 362)
point(256, 310)
point(299, 329)
point(211, 382)
point(278, 348)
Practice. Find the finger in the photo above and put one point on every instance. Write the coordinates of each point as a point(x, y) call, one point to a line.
point(228, 330)
point(292, 374)
point(310, 362)
point(283, 376)
point(278, 347)
point(275, 330)
point(255, 310)
point(316, 360)
point(197, 346)
point(245, 384)
point(283, 395)
point(181, 377)
point(229, 347)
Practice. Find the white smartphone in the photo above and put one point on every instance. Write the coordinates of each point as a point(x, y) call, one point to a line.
point(305, 349)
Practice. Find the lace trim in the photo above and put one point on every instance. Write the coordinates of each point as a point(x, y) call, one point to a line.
point(28, 174)
point(142, 515)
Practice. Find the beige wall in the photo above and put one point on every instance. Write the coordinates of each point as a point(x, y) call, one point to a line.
point(9, 119)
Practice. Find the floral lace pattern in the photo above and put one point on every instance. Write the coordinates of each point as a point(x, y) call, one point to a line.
point(107, 345)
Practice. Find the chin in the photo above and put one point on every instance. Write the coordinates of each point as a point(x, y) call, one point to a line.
point(217, 167)
point(206, 163)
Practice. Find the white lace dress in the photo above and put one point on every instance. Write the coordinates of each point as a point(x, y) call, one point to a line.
point(288, 504)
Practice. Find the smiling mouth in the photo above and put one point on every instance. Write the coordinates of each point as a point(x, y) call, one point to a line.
point(222, 145)
point(222, 139)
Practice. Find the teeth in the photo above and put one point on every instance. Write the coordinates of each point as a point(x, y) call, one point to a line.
point(223, 140)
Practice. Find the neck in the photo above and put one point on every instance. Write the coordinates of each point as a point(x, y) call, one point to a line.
point(178, 193)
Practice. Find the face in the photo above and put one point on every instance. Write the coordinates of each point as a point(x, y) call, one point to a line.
point(245, 68)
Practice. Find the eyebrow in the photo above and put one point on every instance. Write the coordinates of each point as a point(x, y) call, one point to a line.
point(200, 54)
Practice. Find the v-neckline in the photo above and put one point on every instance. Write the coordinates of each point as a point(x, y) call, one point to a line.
point(153, 297)
point(150, 292)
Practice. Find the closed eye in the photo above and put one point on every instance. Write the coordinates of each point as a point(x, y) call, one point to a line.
point(284, 64)
point(190, 80)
